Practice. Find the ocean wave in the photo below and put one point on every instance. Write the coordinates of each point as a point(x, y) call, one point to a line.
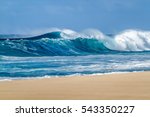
point(66, 42)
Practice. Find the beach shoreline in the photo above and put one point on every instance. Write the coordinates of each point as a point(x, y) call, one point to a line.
point(122, 86)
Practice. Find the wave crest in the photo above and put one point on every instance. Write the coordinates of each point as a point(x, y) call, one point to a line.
point(132, 40)
point(67, 42)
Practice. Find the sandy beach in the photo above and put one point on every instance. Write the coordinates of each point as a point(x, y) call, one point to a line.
point(111, 86)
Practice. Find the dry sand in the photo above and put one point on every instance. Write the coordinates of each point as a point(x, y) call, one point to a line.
point(113, 86)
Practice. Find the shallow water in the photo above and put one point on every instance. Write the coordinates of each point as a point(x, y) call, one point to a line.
point(72, 65)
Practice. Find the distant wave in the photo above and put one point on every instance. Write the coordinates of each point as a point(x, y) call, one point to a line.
point(68, 42)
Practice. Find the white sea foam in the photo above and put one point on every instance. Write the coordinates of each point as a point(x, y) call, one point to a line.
point(131, 40)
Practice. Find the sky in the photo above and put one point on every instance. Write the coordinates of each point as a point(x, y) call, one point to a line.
point(109, 16)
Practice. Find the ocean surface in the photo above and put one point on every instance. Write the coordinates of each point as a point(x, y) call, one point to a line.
point(66, 52)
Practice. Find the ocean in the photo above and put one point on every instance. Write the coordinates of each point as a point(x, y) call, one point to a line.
point(66, 52)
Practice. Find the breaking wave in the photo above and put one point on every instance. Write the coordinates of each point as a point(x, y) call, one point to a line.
point(67, 42)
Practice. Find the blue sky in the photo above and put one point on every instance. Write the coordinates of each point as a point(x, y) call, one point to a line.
point(109, 16)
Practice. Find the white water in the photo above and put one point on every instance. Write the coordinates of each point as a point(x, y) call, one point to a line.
point(128, 40)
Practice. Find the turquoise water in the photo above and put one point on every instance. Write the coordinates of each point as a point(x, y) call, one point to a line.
point(61, 53)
